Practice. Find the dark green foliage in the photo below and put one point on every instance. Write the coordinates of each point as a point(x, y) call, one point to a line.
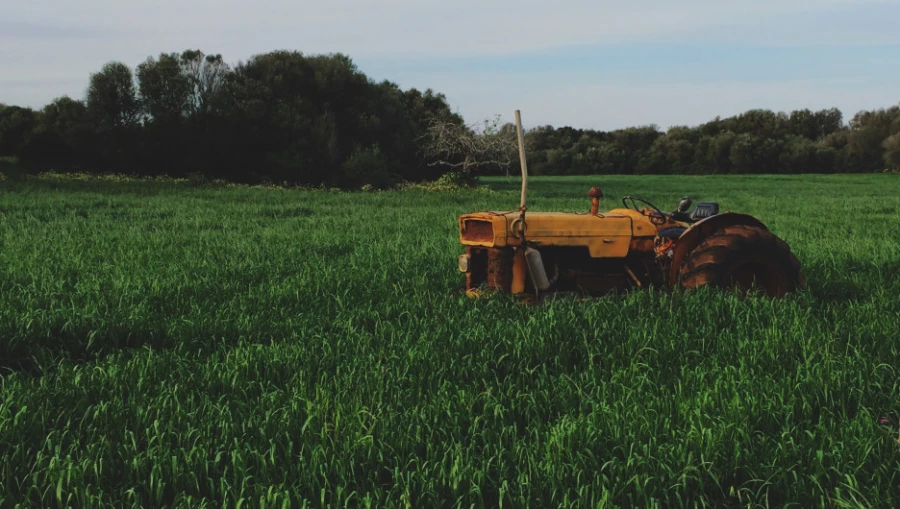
point(285, 116)
point(16, 129)
point(165, 89)
point(456, 180)
point(63, 136)
point(367, 166)
point(112, 100)
point(113, 117)
point(300, 119)
point(758, 141)
point(279, 117)
point(892, 151)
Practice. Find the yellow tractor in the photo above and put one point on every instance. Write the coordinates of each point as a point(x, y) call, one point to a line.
point(635, 246)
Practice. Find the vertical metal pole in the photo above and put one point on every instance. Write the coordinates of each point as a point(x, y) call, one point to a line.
point(522, 158)
point(523, 247)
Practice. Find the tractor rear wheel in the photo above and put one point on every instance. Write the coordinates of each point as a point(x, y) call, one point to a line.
point(742, 257)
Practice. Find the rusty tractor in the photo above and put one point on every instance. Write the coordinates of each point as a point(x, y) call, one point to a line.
point(637, 245)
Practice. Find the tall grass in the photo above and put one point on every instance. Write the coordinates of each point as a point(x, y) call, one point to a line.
point(168, 344)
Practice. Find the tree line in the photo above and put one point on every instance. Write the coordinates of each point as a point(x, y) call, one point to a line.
point(757, 141)
point(303, 119)
point(281, 116)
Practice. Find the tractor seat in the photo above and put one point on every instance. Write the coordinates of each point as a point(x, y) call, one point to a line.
point(703, 210)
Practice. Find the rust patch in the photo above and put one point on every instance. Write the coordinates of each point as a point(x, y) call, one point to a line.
point(663, 245)
point(519, 272)
point(478, 231)
point(641, 244)
point(477, 274)
point(595, 193)
point(702, 229)
point(499, 269)
point(741, 256)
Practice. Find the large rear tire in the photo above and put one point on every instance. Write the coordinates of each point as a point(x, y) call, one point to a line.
point(743, 257)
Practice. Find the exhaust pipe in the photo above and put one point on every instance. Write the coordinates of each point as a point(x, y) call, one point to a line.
point(536, 270)
point(532, 256)
point(521, 138)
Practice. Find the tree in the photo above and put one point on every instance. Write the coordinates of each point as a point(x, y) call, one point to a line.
point(633, 143)
point(829, 121)
point(206, 76)
point(16, 126)
point(760, 123)
point(864, 148)
point(673, 152)
point(804, 123)
point(112, 98)
point(165, 90)
point(61, 137)
point(800, 155)
point(891, 147)
point(465, 148)
point(755, 154)
point(317, 119)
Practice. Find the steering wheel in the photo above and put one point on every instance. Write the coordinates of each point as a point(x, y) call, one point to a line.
point(658, 218)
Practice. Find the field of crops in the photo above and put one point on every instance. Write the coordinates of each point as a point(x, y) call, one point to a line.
point(183, 345)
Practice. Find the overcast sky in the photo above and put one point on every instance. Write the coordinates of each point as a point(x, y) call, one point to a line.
point(587, 63)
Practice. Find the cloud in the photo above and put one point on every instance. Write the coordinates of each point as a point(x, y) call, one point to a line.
point(609, 88)
point(27, 30)
point(406, 28)
point(614, 106)
point(473, 28)
point(556, 60)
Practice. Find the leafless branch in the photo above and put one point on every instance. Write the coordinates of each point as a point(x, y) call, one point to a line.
point(470, 146)
point(481, 162)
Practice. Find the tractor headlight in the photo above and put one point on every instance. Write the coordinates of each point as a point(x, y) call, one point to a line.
point(463, 263)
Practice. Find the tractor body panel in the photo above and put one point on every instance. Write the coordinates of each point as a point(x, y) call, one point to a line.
point(580, 252)
point(605, 236)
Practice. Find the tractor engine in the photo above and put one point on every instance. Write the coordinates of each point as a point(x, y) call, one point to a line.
point(593, 253)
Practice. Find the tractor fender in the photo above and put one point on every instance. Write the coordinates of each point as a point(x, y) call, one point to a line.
point(693, 236)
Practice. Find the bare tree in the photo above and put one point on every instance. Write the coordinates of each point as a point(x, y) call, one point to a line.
point(469, 147)
point(206, 74)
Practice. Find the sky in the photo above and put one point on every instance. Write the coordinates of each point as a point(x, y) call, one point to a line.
point(592, 64)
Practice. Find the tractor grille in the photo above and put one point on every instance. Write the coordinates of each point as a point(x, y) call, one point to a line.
point(476, 230)
point(490, 267)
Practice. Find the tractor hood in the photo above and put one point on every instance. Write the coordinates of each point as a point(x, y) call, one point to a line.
point(606, 235)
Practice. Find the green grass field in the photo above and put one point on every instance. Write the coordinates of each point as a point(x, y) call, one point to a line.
point(169, 344)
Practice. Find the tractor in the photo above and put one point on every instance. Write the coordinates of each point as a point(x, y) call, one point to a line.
point(637, 245)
